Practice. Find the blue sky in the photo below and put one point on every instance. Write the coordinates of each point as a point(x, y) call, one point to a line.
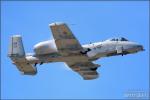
point(90, 22)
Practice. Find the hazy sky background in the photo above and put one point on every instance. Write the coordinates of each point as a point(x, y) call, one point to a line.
point(90, 22)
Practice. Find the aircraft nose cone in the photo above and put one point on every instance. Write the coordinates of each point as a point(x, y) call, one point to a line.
point(139, 47)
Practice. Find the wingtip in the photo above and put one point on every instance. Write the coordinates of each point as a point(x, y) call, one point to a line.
point(16, 35)
point(56, 23)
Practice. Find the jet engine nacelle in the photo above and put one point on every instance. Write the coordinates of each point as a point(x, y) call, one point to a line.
point(45, 47)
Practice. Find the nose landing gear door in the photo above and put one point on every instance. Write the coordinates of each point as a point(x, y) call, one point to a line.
point(119, 49)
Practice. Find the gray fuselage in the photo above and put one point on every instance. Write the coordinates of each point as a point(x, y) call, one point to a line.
point(94, 51)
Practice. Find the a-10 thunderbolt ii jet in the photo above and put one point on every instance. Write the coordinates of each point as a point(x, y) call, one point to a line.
point(66, 48)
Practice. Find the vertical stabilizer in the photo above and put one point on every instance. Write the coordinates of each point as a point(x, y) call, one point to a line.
point(16, 46)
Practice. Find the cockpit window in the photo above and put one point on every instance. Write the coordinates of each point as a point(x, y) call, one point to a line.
point(113, 40)
point(118, 39)
point(123, 39)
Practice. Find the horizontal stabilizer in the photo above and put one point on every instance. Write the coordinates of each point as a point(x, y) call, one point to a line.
point(17, 55)
point(26, 68)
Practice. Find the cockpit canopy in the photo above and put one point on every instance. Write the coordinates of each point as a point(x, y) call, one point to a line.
point(118, 39)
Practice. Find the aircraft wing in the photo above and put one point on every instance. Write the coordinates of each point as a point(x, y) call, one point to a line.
point(85, 69)
point(67, 44)
point(65, 41)
point(26, 68)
